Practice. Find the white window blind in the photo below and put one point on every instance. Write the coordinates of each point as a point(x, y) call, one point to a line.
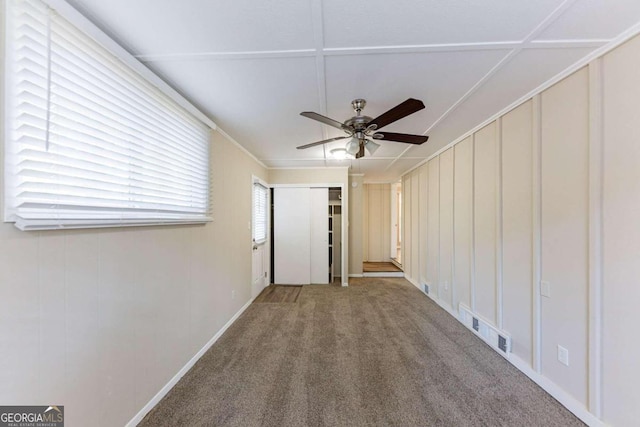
point(259, 213)
point(89, 141)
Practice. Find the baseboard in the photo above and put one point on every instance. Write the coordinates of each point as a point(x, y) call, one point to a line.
point(356, 275)
point(163, 392)
point(412, 281)
point(441, 304)
point(565, 399)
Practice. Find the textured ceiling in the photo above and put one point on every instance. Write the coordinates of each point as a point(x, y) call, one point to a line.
point(254, 66)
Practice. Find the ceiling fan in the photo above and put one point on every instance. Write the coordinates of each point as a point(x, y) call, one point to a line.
point(363, 129)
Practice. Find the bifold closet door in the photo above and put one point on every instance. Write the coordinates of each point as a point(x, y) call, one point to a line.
point(292, 231)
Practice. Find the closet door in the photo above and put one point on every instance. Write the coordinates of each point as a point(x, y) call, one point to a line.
point(319, 215)
point(292, 230)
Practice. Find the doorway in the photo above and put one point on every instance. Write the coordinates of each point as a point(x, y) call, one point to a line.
point(396, 223)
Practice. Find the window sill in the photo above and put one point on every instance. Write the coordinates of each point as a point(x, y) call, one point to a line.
point(56, 224)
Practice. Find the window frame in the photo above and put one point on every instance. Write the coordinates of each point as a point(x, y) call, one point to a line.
point(258, 183)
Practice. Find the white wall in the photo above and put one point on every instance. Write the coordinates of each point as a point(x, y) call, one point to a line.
point(548, 192)
point(103, 319)
point(621, 269)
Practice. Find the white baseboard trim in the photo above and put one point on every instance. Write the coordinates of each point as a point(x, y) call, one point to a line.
point(356, 275)
point(566, 400)
point(163, 392)
point(442, 305)
point(412, 281)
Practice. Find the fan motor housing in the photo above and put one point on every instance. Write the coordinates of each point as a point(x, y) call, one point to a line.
point(358, 123)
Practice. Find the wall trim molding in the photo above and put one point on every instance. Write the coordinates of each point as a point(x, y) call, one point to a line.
point(173, 381)
point(240, 147)
point(603, 50)
point(536, 227)
point(566, 400)
point(499, 224)
point(596, 238)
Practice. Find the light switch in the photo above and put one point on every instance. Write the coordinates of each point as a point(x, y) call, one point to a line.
point(563, 355)
point(545, 289)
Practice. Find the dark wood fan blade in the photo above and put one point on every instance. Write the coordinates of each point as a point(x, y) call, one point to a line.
point(313, 144)
point(404, 109)
point(401, 137)
point(323, 119)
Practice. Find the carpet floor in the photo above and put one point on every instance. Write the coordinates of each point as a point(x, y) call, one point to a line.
point(376, 353)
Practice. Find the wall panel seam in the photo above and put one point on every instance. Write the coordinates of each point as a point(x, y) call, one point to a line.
point(473, 225)
point(596, 145)
point(453, 230)
point(498, 241)
point(537, 235)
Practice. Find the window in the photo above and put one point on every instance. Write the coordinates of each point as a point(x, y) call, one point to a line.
point(259, 213)
point(89, 141)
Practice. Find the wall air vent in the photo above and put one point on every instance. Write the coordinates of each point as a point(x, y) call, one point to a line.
point(485, 330)
point(426, 288)
point(502, 343)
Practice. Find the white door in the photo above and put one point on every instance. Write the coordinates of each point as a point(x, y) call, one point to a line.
point(292, 249)
point(319, 235)
point(259, 277)
point(260, 227)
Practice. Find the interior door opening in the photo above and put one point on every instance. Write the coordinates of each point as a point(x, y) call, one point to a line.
point(396, 223)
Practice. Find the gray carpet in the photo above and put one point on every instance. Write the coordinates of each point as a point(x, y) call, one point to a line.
point(378, 353)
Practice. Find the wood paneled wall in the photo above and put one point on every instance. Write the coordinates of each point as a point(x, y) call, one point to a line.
point(549, 193)
point(377, 222)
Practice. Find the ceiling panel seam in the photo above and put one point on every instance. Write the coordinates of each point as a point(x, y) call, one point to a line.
point(546, 22)
point(216, 56)
point(369, 50)
point(626, 35)
point(318, 36)
point(536, 31)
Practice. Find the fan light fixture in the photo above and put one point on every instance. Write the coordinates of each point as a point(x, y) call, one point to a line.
point(340, 154)
point(353, 146)
point(371, 146)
